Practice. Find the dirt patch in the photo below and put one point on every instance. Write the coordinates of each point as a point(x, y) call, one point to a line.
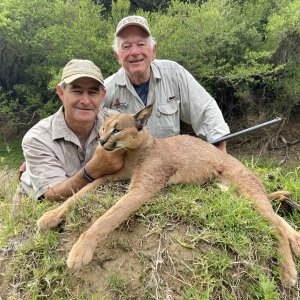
point(151, 262)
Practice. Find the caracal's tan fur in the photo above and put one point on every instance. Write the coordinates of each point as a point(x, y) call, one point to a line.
point(152, 163)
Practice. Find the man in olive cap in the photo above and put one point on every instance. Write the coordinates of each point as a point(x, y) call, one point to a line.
point(143, 80)
point(60, 149)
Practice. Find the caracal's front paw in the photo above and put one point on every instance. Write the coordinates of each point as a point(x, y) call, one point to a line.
point(82, 252)
point(50, 219)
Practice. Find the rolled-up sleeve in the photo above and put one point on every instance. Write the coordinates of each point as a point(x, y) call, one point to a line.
point(53, 153)
point(199, 108)
point(43, 168)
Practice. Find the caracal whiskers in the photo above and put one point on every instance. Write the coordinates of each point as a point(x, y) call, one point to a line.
point(152, 163)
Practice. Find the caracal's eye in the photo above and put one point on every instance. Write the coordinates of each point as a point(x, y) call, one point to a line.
point(116, 130)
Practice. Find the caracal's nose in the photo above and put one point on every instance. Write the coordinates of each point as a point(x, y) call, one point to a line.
point(102, 142)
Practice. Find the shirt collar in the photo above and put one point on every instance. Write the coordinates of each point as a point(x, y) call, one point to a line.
point(60, 128)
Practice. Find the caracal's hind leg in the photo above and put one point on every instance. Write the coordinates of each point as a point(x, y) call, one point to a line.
point(288, 270)
point(82, 252)
point(252, 188)
point(293, 235)
point(53, 217)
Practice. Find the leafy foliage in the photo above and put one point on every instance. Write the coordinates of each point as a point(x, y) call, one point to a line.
point(246, 53)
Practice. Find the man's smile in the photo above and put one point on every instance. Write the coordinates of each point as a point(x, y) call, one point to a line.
point(86, 109)
point(136, 61)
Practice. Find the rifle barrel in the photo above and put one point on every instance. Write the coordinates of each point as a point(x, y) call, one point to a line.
point(233, 135)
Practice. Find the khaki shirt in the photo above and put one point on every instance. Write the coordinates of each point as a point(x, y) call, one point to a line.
point(53, 153)
point(175, 95)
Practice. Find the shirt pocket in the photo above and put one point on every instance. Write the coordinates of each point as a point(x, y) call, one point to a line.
point(167, 120)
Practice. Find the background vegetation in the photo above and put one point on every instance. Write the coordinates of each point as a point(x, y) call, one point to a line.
point(246, 53)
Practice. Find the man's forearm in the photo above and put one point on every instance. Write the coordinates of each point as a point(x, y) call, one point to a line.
point(100, 164)
point(67, 188)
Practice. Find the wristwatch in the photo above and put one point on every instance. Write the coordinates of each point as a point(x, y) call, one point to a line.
point(86, 176)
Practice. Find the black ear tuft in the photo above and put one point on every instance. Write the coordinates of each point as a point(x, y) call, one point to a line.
point(142, 117)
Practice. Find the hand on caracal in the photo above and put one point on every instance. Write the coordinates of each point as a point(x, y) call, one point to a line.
point(104, 162)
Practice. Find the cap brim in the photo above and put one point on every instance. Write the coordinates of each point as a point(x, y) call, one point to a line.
point(70, 79)
point(132, 24)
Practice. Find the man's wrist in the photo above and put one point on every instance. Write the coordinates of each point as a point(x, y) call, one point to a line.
point(86, 176)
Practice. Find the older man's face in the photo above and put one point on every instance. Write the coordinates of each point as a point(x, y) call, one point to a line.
point(135, 53)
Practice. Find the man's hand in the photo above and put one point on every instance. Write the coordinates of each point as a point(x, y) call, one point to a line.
point(104, 162)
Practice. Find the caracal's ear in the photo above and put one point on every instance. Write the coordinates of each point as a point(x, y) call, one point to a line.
point(104, 113)
point(142, 117)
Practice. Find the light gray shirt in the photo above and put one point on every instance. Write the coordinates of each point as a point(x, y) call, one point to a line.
point(175, 94)
point(54, 153)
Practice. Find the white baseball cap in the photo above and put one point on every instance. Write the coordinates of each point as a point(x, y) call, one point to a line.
point(133, 20)
point(77, 68)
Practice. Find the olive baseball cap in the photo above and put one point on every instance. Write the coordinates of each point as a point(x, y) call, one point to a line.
point(77, 68)
point(133, 20)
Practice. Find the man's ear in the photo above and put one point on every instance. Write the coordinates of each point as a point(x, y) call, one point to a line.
point(142, 117)
point(59, 92)
point(154, 51)
point(117, 58)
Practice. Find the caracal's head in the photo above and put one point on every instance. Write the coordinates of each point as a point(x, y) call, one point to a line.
point(123, 131)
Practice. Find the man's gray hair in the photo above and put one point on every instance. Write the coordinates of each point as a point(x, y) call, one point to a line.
point(63, 85)
point(116, 40)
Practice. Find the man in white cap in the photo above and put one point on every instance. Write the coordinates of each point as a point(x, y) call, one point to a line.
point(143, 80)
point(60, 150)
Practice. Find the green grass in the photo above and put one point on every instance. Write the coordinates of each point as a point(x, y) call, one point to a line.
point(189, 243)
point(11, 155)
point(118, 285)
